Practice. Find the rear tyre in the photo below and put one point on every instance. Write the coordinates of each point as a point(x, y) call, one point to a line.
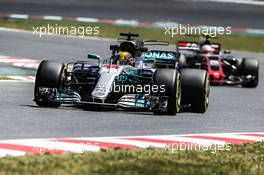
point(250, 67)
point(195, 89)
point(48, 76)
point(170, 80)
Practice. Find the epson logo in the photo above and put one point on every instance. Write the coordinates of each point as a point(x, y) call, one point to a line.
point(161, 55)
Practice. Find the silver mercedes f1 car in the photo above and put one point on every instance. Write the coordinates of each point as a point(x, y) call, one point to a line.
point(132, 78)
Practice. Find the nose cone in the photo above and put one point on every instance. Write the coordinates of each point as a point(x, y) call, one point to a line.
point(216, 75)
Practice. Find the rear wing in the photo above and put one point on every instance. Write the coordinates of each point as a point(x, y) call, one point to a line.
point(187, 45)
point(155, 42)
point(195, 46)
point(128, 36)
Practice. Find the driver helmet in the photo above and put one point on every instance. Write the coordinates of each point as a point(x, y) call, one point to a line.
point(207, 49)
point(124, 58)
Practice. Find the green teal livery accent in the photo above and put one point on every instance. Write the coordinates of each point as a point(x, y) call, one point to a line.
point(159, 56)
point(140, 103)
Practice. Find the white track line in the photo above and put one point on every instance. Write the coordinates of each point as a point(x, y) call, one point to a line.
point(19, 16)
point(140, 144)
point(7, 152)
point(46, 145)
point(82, 19)
point(53, 18)
point(21, 63)
point(235, 136)
point(192, 140)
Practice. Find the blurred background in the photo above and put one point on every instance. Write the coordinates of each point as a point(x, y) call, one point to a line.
point(194, 12)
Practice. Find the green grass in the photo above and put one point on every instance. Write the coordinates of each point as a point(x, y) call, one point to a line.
point(5, 78)
point(247, 159)
point(232, 42)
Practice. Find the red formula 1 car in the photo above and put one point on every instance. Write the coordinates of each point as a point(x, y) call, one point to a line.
point(222, 69)
point(213, 65)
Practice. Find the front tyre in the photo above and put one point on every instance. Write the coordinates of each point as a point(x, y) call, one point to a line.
point(195, 89)
point(170, 79)
point(250, 67)
point(48, 79)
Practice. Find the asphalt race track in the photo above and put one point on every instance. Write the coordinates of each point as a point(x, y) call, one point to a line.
point(232, 109)
point(184, 12)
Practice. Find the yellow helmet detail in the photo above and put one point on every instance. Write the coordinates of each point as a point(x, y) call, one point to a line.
point(125, 58)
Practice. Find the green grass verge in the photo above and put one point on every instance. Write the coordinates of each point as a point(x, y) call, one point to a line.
point(232, 42)
point(5, 78)
point(247, 159)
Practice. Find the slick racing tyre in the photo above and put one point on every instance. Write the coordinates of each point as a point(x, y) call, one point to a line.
point(250, 67)
point(48, 78)
point(195, 89)
point(170, 79)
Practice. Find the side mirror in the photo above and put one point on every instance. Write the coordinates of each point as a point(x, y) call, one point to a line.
point(95, 57)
